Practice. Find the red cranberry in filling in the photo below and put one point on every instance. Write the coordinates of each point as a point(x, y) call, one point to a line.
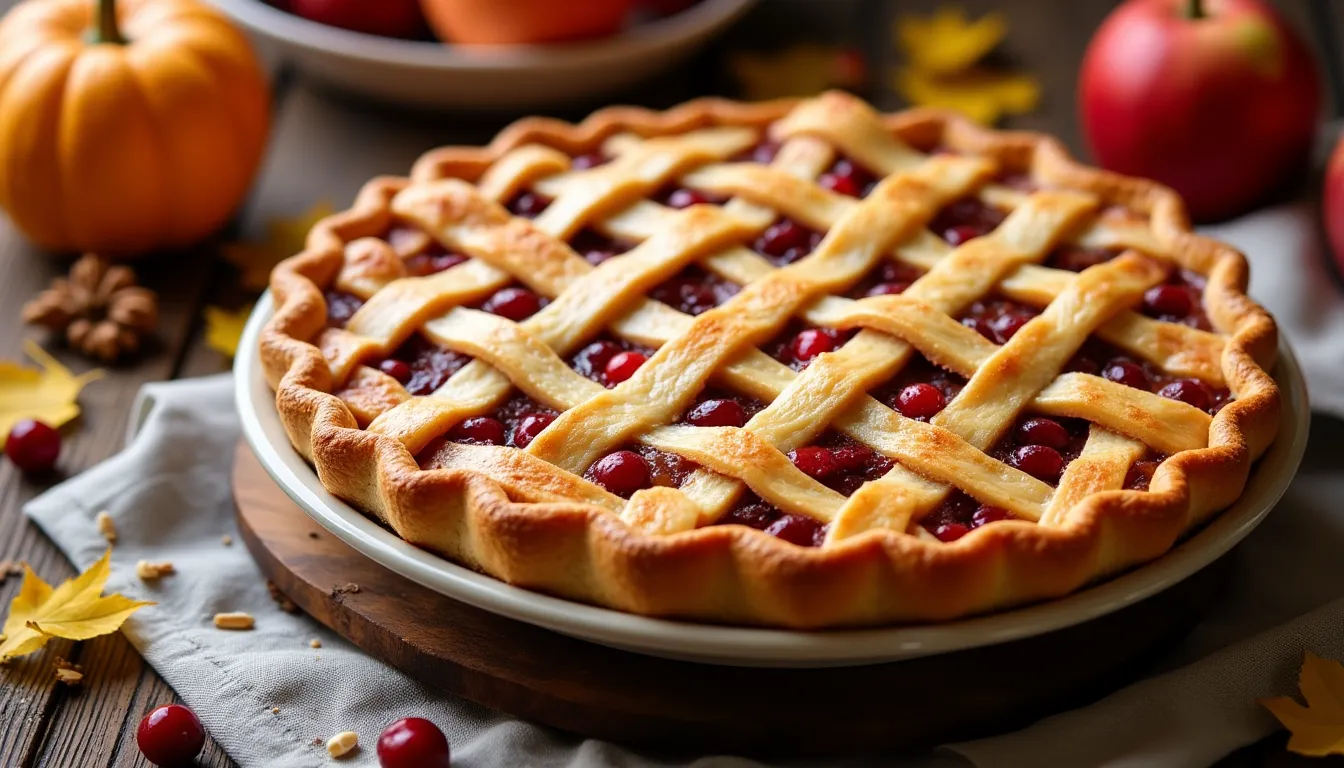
point(758, 515)
point(396, 369)
point(888, 289)
point(423, 264)
point(980, 326)
point(812, 342)
point(529, 426)
point(685, 198)
point(623, 365)
point(852, 458)
point(920, 401)
point(764, 152)
point(1006, 326)
point(961, 233)
point(341, 307)
point(1047, 432)
point(948, 532)
point(591, 361)
point(1171, 300)
point(584, 162)
point(513, 303)
point(780, 237)
point(622, 472)
point(1190, 392)
point(1127, 373)
point(987, 514)
point(796, 529)
point(481, 430)
point(1039, 461)
point(843, 185)
point(815, 462)
point(528, 204)
point(718, 413)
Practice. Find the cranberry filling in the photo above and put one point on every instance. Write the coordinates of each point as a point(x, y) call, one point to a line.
point(684, 197)
point(694, 291)
point(1101, 359)
point(341, 306)
point(590, 160)
point(840, 463)
point(888, 278)
point(752, 512)
point(997, 319)
point(921, 390)
point(845, 177)
point(786, 241)
point(432, 261)
point(596, 247)
point(1141, 472)
point(959, 514)
point(529, 205)
point(797, 345)
point(1042, 446)
point(720, 408)
point(1179, 300)
point(609, 361)
point(635, 467)
point(1076, 258)
point(422, 366)
point(514, 302)
point(965, 219)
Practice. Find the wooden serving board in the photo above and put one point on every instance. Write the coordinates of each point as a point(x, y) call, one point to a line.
point(554, 680)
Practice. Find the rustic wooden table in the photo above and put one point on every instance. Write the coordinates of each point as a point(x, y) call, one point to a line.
point(323, 147)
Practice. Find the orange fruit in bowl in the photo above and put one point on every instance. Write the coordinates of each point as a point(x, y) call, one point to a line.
point(523, 21)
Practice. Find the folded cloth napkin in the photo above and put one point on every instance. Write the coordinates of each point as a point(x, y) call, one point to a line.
point(169, 495)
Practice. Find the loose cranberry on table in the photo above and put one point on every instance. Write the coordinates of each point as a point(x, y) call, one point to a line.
point(170, 735)
point(33, 446)
point(413, 742)
point(386, 18)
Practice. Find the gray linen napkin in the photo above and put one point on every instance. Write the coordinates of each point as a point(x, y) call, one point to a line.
point(169, 494)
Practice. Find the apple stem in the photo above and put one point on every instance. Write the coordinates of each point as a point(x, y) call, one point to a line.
point(106, 31)
point(1194, 9)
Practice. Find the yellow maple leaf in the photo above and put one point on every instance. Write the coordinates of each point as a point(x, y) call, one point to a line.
point(946, 43)
point(76, 610)
point(285, 236)
point(48, 395)
point(802, 70)
point(1318, 728)
point(982, 95)
point(223, 328)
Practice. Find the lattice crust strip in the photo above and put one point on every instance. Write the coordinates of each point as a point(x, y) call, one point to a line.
point(457, 200)
point(859, 233)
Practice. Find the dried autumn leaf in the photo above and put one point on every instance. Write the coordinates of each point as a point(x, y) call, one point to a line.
point(946, 43)
point(802, 70)
point(981, 95)
point(48, 395)
point(285, 236)
point(1318, 728)
point(76, 610)
point(223, 328)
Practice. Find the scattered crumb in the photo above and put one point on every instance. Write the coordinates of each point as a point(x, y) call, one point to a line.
point(280, 599)
point(316, 742)
point(10, 568)
point(70, 674)
point(107, 527)
point(342, 743)
point(275, 710)
point(314, 643)
point(348, 588)
point(148, 571)
point(226, 540)
point(312, 534)
point(236, 620)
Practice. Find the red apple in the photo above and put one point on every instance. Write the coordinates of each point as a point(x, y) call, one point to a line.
point(1332, 206)
point(1217, 99)
point(388, 18)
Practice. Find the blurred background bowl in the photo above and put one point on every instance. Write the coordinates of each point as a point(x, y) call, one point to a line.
point(440, 76)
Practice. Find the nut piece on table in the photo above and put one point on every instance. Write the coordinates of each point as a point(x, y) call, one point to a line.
point(236, 620)
point(341, 744)
point(148, 571)
point(106, 526)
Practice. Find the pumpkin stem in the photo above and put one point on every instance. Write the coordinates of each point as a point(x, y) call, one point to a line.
point(107, 31)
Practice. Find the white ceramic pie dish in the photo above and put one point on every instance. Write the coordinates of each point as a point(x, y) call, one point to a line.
point(744, 646)
point(432, 75)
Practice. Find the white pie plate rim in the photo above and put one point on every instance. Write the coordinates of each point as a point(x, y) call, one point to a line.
point(749, 646)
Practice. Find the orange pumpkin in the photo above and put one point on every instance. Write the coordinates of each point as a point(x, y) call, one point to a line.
point(126, 126)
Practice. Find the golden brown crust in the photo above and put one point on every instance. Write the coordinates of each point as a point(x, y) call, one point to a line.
point(732, 573)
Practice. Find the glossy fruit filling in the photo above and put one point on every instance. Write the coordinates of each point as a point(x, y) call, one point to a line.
point(997, 319)
point(608, 360)
point(596, 247)
point(341, 306)
point(798, 344)
point(1101, 359)
point(886, 279)
point(921, 390)
point(786, 241)
point(752, 512)
point(694, 290)
point(514, 302)
point(840, 463)
point(846, 177)
point(964, 220)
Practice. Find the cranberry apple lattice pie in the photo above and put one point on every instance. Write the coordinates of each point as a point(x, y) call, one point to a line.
point(794, 363)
